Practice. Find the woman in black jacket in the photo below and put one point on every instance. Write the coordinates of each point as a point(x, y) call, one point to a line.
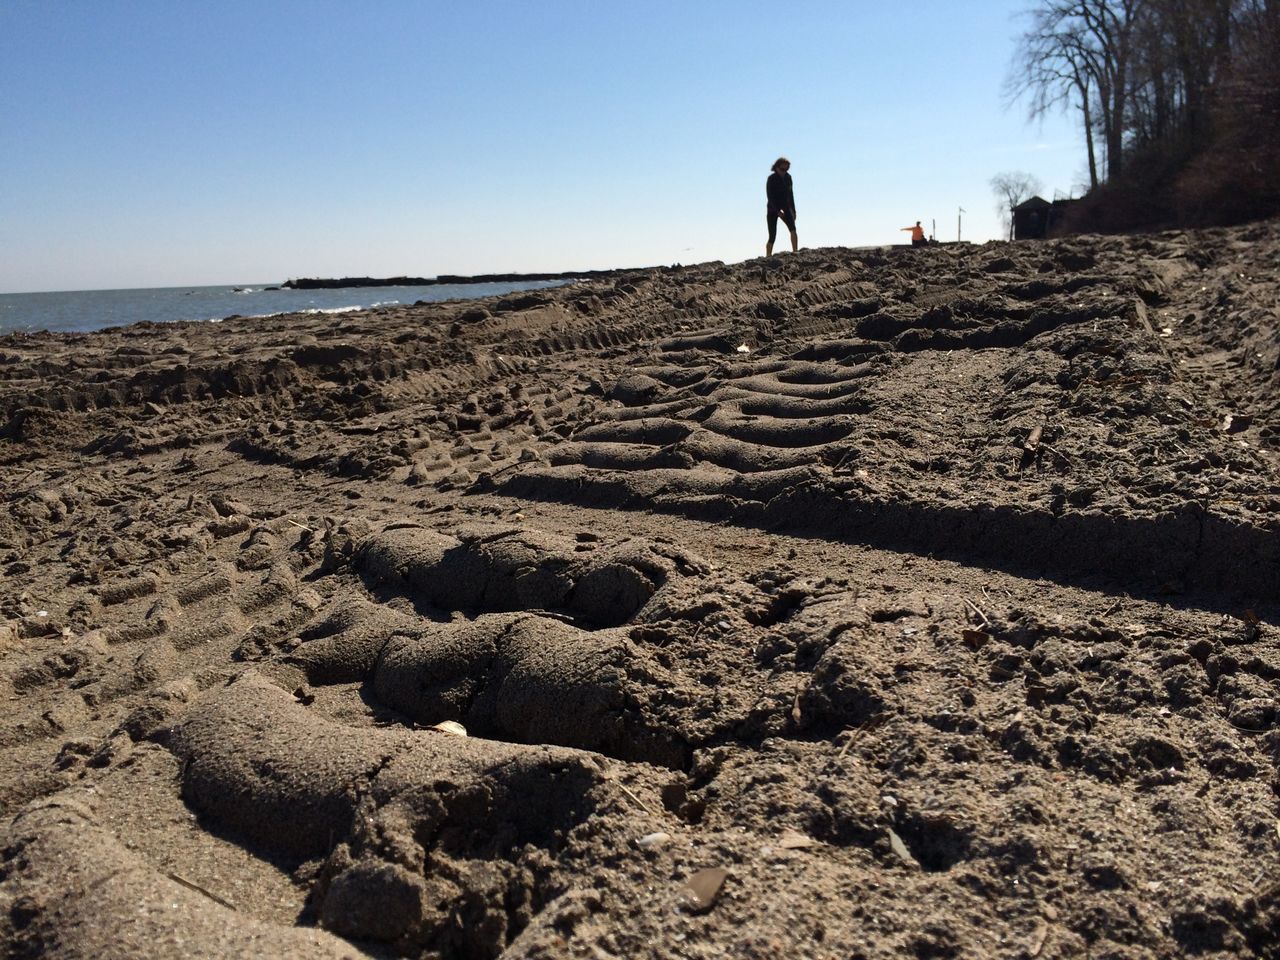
point(782, 204)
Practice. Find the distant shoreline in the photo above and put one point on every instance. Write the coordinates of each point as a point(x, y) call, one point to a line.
point(317, 283)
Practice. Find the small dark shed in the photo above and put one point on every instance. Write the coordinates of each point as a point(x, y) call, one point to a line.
point(1031, 219)
point(1034, 219)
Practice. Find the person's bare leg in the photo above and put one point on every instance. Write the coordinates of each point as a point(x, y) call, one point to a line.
point(795, 242)
point(768, 249)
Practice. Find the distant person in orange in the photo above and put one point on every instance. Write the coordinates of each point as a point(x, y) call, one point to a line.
point(782, 204)
point(917, 235)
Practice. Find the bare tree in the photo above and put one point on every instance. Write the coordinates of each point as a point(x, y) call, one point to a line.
point(1080, 53)
point(1055, 67)
point(1010, 190)
point(1110, 24)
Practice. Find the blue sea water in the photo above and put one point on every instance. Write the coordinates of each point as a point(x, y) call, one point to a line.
point(80, 311)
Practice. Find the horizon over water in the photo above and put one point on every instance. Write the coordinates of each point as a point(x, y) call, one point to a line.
point(85, 311)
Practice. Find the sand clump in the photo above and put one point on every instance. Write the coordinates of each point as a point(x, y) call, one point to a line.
point(912, 602)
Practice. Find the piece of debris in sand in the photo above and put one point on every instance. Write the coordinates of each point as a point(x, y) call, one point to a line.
point(449, 726)
point(900, 849)
point(1038, 937)
point(1235, 422)
point(652, 841)
point(795, 840)
point(1252, 625)
point(1031, 447)
point(702, 890)
point(975, 640)
point(1033, 439)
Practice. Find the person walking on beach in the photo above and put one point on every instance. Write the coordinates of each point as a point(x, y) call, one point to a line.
point(917, 235)
point(782, 204)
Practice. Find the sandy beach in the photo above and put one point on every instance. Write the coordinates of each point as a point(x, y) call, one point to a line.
point(877, 604)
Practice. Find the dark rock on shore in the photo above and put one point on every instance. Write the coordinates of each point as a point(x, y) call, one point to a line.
point(315, 283)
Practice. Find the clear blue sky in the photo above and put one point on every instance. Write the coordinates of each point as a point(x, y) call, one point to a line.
point(171, 143)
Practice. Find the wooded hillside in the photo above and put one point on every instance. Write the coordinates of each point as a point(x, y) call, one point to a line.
point(1179, 101)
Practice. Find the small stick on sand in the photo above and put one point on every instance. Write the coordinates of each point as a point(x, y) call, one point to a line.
point(192, 885)
point(845, 458)
point(1247, 729)
point(609, 774)
point(302, 525)
point(1061, 456)
point(974, 607)
point(640, 803)
point(853, 735)
point(506, 468)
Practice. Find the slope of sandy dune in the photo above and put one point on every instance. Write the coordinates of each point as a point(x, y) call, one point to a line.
point(915, 602)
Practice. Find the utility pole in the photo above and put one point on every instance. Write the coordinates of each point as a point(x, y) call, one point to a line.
point(933, 229)
point(961, 211)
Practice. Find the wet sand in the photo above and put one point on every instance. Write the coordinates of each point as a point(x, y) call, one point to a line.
point(914, 602)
